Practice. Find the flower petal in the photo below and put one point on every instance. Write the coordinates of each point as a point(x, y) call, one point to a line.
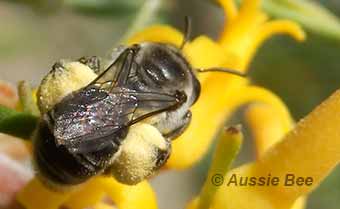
point(88, 195)
point(212, 106)
point(310, 150)
point(265, 125)
point(203, 52)
point(124, 196)
point(139, 196)
point(158, 33)
point(47, 199)
point(216, 106)
point(238, 36)
point(249, 6)
point(246, 32)
point(230, 9)
point(270, 29)
point(267, 130)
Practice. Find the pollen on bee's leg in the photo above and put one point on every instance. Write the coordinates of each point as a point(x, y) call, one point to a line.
point(140, 154)
point(70, 77)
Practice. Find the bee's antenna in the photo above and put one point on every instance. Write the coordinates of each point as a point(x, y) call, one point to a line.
point(187, 31)
point(221, 69)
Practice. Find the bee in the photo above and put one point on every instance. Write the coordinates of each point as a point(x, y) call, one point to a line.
point(117, 121)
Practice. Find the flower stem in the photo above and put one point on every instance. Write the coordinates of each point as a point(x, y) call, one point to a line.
point(26, 99)
point(143, 17)
point(228, 146)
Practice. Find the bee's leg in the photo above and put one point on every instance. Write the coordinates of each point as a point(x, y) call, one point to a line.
point(178, 131)
point(92, 62)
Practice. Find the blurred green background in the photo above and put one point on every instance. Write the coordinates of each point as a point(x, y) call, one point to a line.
point(35, 34)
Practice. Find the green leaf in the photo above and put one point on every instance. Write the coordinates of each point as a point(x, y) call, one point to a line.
point(310, 14)
point(17, 124)
point(114, 8)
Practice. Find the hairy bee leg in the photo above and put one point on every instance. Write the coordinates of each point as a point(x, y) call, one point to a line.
point(163, 155)
point(177, 132)
point(92, 62)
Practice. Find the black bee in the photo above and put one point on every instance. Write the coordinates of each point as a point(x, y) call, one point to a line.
point(86, 132)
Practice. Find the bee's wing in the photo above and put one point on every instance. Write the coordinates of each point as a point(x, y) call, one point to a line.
point(88, 122)
point(85, 120)
point(118, 71)
point(93, 142)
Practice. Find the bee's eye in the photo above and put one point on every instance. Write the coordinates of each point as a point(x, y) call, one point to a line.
point(155, 73)
point(163, 67)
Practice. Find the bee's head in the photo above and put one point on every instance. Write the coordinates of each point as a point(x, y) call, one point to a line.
point(142, 153)
point(163, 67)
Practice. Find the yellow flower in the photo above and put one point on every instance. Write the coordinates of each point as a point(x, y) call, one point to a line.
point(310, 150)
point(36, 196)
point(221, 94)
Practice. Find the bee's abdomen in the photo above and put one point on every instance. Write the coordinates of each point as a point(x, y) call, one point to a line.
point(56, 165)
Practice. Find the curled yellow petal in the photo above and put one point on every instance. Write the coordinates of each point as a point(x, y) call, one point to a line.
point(250, 10)
point(280, 27)
point(270, 29)
point(238, 36)
point(262, 95)
point(249, 17)
point(230, 9)
point(249, 29)
point(265, 125)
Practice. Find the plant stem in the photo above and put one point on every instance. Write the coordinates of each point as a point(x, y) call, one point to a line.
point(227, 148)
point(144, 16)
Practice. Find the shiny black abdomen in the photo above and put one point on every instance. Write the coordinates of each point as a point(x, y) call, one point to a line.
point(58, 165)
